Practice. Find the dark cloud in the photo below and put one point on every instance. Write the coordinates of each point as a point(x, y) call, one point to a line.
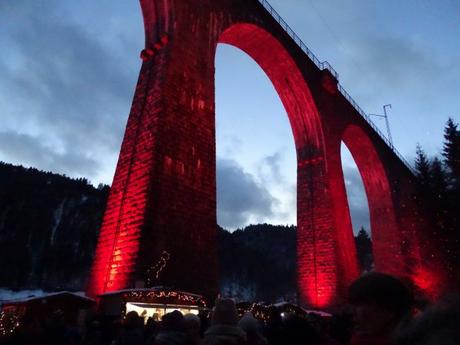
point(394, 65)
point(240, 198)
point(60, 81)
point(32, 151)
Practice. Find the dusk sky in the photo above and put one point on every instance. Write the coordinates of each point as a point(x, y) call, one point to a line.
point(68, 71)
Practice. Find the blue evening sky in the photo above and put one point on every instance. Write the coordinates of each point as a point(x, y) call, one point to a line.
point(68, 70)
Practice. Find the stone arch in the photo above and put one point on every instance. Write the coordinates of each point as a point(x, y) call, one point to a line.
point(285, 76)
point(316, 253)
point(384, 227)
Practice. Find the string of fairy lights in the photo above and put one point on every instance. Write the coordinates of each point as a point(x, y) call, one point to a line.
point(161, 297)
point(9, 322)
point(153, 273)
point(264, 312)
point(140, 296)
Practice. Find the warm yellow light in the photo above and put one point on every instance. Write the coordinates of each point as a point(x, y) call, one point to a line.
point(156, 311)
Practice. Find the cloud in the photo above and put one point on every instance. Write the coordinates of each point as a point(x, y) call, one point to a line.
point(270, 168)
point(240, 198)
point(395, 64)
point(32, 151)
point(227, 145)
point(62, 83)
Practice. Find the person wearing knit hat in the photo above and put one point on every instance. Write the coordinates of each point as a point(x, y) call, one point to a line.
point(224, 329)
point(252, 328)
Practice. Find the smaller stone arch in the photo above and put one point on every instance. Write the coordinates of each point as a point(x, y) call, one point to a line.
point(386, 236)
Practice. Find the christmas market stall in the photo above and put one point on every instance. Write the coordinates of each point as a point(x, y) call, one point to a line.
point(150, 302)
point(70, 305)
point(286, 308)
point(264, 312)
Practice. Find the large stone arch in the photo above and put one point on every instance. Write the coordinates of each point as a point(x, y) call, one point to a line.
point(161, 212)
point(316, 285)
point(285, 76)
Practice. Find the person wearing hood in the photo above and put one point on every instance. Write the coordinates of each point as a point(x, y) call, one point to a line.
point(172, 331)
point(131, 332)
point(252, 328)
point(381, 304)
point(224, 329)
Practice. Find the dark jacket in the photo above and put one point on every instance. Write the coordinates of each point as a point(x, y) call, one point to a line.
point(170, 338)
point(224, 335)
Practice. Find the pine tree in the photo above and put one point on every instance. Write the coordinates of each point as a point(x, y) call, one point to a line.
point(434, 205)
point(451, 155)
point(422, 166)
point(437, 179)
point(439, 207)
point(451, 150)
point(364, 250)
point(423, 174)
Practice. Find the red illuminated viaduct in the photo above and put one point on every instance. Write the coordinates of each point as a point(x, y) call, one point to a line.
point(163, 196)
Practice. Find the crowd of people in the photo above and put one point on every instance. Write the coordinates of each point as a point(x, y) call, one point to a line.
point(381, 313)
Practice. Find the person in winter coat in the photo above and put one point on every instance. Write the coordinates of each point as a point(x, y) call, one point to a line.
point(192, 329)
point(381, 303)
point(224, 329)
point(439, 324)
point(252, 328)
point(172, 331)
point(132, 332)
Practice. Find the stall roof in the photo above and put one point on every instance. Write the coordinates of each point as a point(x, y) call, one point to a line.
point(308, 311)
point(28, 299)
